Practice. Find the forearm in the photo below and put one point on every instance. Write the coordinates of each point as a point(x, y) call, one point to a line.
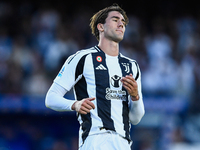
point(56, 101)
point(136, 111)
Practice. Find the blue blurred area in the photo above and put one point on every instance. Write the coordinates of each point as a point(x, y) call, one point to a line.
point(36, 37)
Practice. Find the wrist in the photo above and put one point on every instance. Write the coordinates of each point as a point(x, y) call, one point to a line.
point(73, 107)
point(135, 98)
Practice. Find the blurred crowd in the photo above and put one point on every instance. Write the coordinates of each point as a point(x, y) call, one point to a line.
point(36, 41)
point(38, 133)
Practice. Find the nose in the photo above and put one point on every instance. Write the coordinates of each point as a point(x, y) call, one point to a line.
point(121, 24)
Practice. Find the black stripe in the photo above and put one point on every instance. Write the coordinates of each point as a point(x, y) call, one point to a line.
point(125, 108)
point(81, 92)
point(137, 75)
point(81, 86)
point(97, 48)
point(86, 125)
point(102, 82)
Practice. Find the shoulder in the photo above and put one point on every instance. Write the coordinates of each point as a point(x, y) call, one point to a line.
point(81, 54)
point(88, 51)
point(128, 59)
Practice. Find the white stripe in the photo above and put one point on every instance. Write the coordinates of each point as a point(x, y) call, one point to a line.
point(116, 104)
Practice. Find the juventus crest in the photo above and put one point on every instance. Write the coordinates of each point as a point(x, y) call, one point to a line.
point(127, 67)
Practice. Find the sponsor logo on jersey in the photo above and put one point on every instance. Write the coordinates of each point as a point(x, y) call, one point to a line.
point(61, 72)
point(100, 67)
point(115, 93)
point(115, 81)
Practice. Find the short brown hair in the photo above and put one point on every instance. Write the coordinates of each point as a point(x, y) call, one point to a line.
point(100, 17)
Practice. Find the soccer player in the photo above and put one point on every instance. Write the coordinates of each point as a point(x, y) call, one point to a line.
point(107, 86)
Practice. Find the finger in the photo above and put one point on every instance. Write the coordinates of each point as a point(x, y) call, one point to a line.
point(84, 110)
point(90, 103)
point(129, 80)
point(128, 88)
point(128, 83)
point(91, 98)
point(130, 77)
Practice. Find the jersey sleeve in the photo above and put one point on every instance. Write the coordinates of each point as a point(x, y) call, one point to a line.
point(137, 76)
point(67, 76)
point(55, 100)
point(136, 107)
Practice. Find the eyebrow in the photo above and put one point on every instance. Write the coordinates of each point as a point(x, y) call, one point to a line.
point(118, 18)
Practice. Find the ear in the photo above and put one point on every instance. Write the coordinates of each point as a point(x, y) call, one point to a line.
point(100, 27)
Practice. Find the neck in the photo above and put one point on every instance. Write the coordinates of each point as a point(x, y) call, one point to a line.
point(109, 47)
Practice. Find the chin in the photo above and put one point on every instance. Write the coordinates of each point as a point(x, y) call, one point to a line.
point(118, 40)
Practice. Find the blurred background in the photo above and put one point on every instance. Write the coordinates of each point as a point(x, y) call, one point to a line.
point(36, 37)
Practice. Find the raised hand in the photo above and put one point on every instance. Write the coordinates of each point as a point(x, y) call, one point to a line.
point(83, 106)
point(131, 86)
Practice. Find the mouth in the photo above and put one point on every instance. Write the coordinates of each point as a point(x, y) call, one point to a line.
point(120, 31)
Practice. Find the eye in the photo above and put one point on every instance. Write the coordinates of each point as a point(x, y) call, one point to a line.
point(114, 19)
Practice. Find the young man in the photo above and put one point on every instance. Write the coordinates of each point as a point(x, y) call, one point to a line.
point(107, 86)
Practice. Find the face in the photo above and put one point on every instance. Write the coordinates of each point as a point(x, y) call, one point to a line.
point(114, 26)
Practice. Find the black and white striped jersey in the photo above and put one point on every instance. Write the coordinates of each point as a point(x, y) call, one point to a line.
point(92, 73)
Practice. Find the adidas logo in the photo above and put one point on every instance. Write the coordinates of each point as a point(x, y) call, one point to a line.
point(100, 67)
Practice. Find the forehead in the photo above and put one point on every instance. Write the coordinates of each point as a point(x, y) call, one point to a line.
point(115, 13)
